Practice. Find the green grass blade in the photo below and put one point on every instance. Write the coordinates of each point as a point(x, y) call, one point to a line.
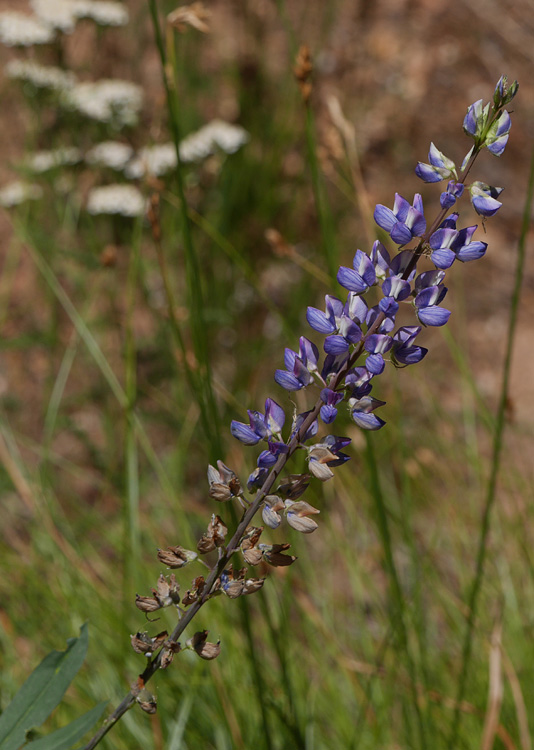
point(178, 731)
point(68, 736)
point(42, 692)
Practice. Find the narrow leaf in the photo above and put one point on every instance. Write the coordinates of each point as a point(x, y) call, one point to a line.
point(67, 736)
point(41, 692)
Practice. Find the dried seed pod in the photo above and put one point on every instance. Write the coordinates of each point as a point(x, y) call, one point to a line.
point(176, 557)
point(170, 648)
point(202, 647)
point(142, 643)
point(273, 554)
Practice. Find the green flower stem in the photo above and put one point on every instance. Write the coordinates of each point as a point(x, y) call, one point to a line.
point(204, 393)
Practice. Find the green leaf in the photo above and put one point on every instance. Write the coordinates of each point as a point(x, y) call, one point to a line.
point(41, 692)
point(67, 736)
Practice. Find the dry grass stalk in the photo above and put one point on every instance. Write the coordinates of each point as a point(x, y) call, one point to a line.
point(491, 722)
point(195, 15)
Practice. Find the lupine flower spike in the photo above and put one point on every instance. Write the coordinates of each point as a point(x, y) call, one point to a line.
point(360, 339)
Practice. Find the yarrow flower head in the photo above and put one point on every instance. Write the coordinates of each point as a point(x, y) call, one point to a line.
point(19, 30)
point(125, 200)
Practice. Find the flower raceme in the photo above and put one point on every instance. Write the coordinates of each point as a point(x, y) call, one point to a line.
point(361, 336)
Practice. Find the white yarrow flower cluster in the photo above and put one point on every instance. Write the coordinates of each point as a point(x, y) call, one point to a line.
point(19, 30)
point(40, 76)
point(58, 14)
point(216, 134)
point(110, 154)
point(18, 192)
point(108, 100)
point(103, 12)
point(153, 160)
point(64, 14)
point(125, 200)
point(42, 161)
point(160, 159)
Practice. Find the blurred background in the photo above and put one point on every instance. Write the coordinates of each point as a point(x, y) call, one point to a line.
point(103, 446)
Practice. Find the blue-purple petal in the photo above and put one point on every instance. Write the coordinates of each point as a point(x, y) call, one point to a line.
point(244, 433)
point(433, 315)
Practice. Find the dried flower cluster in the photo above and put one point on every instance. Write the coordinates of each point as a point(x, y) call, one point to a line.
point(360, 337)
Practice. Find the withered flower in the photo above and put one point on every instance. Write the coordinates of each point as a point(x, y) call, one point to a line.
point(293, 486)
point(165, 594)
point(142, 643)
point(202, 647)
point(273, 554)
point(176, 557)
point(249, 541)
point(252, 585)
point(223, 482)
point(214, 536)
point(170, 648)
point(319, 457)
point(146, 700)
point(298, 513)
point(272, 504)
point(147, 603)
point(194, 15)
point(167, 590)
point(234, 583)
point(194, 592)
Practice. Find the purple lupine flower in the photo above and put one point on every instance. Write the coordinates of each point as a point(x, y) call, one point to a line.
point(389, 308)
point(440, 167)
point(377, 345)
point(325, 322)
point(299, 367)
point(465, 249)
point(476, 118)
point(262, 427)
point(395, 289)
point(400, 263)
point(362, 412)
point(310, 432)
point(332, 365)
point(403, 351)
point(330, 398)
point(404, 222)
point(498, 133)
point(361, 278)
point(427, 306)
point(380, 259)
point(349, 333)
point(358, 380)
point(356, 308)
point(440, 241)
point(257, 478)
point(454, 190)
point(269, 457)
point(484, 198)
